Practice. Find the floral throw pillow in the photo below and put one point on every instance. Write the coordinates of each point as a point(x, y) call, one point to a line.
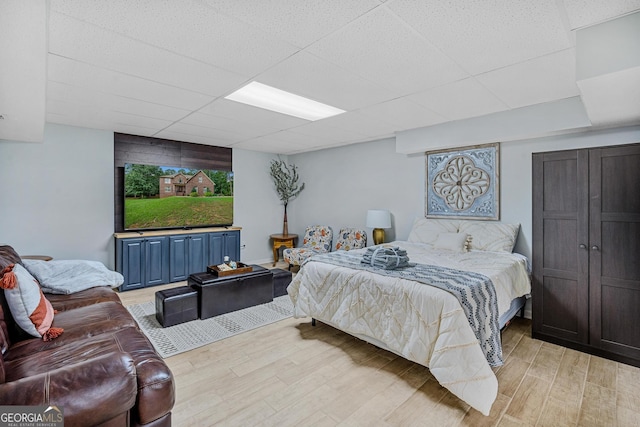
point(28, 305)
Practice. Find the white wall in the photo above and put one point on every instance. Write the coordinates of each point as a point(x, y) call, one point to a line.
point(342, 183)
point(57, 196)
point(256, 207)
point(516, 180)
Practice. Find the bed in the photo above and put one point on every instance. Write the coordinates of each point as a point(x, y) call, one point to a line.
point(426, 324)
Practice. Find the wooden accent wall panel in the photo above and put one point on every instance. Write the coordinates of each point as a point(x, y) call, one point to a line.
point(161, 152)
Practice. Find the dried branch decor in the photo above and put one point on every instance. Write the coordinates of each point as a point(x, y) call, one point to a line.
point(285, 177)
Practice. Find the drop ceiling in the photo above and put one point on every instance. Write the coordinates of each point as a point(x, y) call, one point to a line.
point(162, 68)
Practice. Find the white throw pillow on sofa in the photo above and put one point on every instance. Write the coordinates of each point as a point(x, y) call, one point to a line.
point(29, 307)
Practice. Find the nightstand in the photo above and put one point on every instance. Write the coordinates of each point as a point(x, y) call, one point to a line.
point(282, 240)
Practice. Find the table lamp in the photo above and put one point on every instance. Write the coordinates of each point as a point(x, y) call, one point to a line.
point(378, 219)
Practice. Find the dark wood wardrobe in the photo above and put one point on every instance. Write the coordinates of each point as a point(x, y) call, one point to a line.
point(586, 250)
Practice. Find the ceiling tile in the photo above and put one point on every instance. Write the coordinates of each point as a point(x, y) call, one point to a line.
point(325, 145)
point(163, 67)
point(384, 50)
point(459, 100)
point(544, 79)
point(244, 130)
point(227, 129)
point(96, 122)
point(65, 70)
point(403, 113)
point(251, 116)
point(361, 124)
point(274, 147)
point(93, 45)
point(190, 137)
point(282, 142)
point(298, 22)
point(481, 35)
point(309, 76)
point(191, 29)
point(205, 132)
point(88, 97)
point(99, 123)
point(588, 12)
point(100, 117)
point(322, 130)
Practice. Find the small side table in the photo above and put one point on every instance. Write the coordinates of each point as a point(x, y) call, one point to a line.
point(282, 240)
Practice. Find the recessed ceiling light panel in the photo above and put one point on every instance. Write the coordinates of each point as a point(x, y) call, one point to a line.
point(270, 98)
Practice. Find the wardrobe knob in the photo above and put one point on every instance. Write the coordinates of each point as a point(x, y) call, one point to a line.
point(595, 248)
point(583, 246)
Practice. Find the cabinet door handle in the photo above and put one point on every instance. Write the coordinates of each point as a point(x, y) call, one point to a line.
point(595, 248)
point(583, 246)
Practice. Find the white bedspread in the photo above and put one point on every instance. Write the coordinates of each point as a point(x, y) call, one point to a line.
point(421, 323)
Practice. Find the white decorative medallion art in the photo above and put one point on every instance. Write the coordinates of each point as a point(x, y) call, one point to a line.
point(463, 183)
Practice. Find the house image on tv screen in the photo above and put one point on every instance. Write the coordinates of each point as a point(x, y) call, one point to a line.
point(180, 184)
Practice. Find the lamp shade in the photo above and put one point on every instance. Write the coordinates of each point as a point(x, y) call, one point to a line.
point(378, 218)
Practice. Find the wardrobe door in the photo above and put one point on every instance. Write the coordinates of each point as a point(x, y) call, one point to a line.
point(560, 293)
point(614, 247)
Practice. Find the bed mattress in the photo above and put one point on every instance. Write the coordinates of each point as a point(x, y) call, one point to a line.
point(422, 323)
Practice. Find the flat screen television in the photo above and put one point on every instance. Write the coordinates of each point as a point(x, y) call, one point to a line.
point(165, 197)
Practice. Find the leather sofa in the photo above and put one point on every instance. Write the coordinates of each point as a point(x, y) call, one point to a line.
point(102, 370)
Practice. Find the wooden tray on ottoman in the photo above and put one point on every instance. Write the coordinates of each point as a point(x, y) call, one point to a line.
point(241, 268)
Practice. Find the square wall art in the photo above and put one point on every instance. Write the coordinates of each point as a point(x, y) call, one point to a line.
point(463, 183)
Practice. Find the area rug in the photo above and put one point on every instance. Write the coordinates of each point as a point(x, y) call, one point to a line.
point(187, 336)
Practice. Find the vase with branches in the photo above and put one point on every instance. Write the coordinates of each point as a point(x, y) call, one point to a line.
point(285, 177)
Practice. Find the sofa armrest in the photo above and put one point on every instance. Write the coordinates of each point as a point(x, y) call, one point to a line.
point(90, 392)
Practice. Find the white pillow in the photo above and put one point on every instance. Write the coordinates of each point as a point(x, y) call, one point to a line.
point(456, 242)
point(29, 307)
point(491, 236)
point(427, 230)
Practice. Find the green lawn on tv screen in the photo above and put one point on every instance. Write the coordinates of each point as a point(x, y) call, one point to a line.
point(177, 212)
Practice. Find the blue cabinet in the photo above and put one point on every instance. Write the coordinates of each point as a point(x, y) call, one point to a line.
point(156, 260)
point(226, 243)
point(143, 261)
point(188, 255)
point(156, 253)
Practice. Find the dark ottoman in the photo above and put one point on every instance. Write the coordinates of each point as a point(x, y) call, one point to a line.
point(220, 295)
point(281, 279)
point(177, 305)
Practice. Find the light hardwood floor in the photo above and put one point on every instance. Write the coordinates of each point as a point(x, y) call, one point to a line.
point(292, 374)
